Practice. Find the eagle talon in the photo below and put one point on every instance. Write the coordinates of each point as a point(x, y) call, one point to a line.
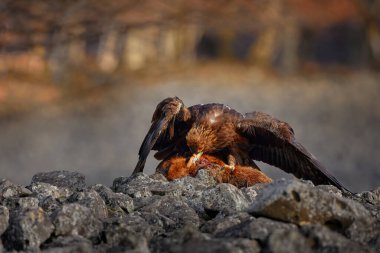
point(194, 158)
point(230, 167)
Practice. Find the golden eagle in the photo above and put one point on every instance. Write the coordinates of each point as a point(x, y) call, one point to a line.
point(222, 132)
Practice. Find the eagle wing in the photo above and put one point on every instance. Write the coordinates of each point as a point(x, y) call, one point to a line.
point(272, 141)
point(168, 121)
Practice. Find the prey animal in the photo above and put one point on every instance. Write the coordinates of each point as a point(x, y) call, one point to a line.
point(237, 139)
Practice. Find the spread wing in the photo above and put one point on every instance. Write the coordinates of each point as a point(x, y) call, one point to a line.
point(272, 141)
point(168, 121)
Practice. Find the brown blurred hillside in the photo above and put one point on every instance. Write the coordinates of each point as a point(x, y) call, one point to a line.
point(79, 79)
point(50, 50)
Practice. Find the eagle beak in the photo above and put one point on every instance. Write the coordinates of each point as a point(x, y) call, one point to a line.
point(194, 158)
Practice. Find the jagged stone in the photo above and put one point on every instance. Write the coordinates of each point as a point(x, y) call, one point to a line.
point(4, 218)
point(372, 196)
point(284, 241)
point(9, 190)
point(14, 203)
point(127, 235)
point(190, 186)
point(255, 229)
point(219, 246)
point(116, 228)
point(118, 204)
point(330, 189)
point(92, 200)
point(43, 190)
point(73, 181)
point(50, 205)
point(222, 222)
point(158, 177)
point(300, 203)
point(68, 244)
point(189, 240)
point(371, 200)
point(192, 189)
point(172, 211)
point(224, 198)
point(27, 230)
point(148, 224)
point(250, 193)
point(326, 240)
point(172, 241)
point(75, 219)
point(141, 202)
point(375, 244)
point(141, 185)
point(206, 178)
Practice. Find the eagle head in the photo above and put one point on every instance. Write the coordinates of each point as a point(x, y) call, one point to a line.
point(201, 138)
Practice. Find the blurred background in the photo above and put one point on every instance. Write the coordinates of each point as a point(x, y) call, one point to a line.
point(79, 80)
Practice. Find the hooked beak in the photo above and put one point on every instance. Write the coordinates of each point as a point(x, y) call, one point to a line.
point(194, 158)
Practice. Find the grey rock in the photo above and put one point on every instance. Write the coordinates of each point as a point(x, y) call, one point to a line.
point(172, 241)
point(118, 204)
point(4, 218)
point(224, 198)
point(299, 203)
point(50, 205)
point(141, 185)
point(372, 196)
point(73, 181)
point(43, 190)
point(250, 193)
point(141, 193)
point(50, 197)
point(371, 200)
point(27, 230)
point(115, 229)
point(68, 244)
point(190, 186)
point(190, 240)
point(158, 223)
point(220, 246)
point(375, 244)
point(326, 240)
point(172, 211)
point(75, 219)
point(92, 200)
point(126, 235)
point(256, 229)
point(206, 178)
point(23, 203)
point(158, 177)
point(141, 202)
point(222, 222)
point(9, 189)
point(330, 189)
point(192, 189)
point(282, 241)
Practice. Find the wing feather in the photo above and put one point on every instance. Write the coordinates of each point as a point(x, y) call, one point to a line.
point(272, 141)
point(169, 114)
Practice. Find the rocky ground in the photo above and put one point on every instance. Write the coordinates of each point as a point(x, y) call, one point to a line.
point(58, 212)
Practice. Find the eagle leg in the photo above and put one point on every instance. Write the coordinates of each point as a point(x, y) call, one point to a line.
point(231, 162)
